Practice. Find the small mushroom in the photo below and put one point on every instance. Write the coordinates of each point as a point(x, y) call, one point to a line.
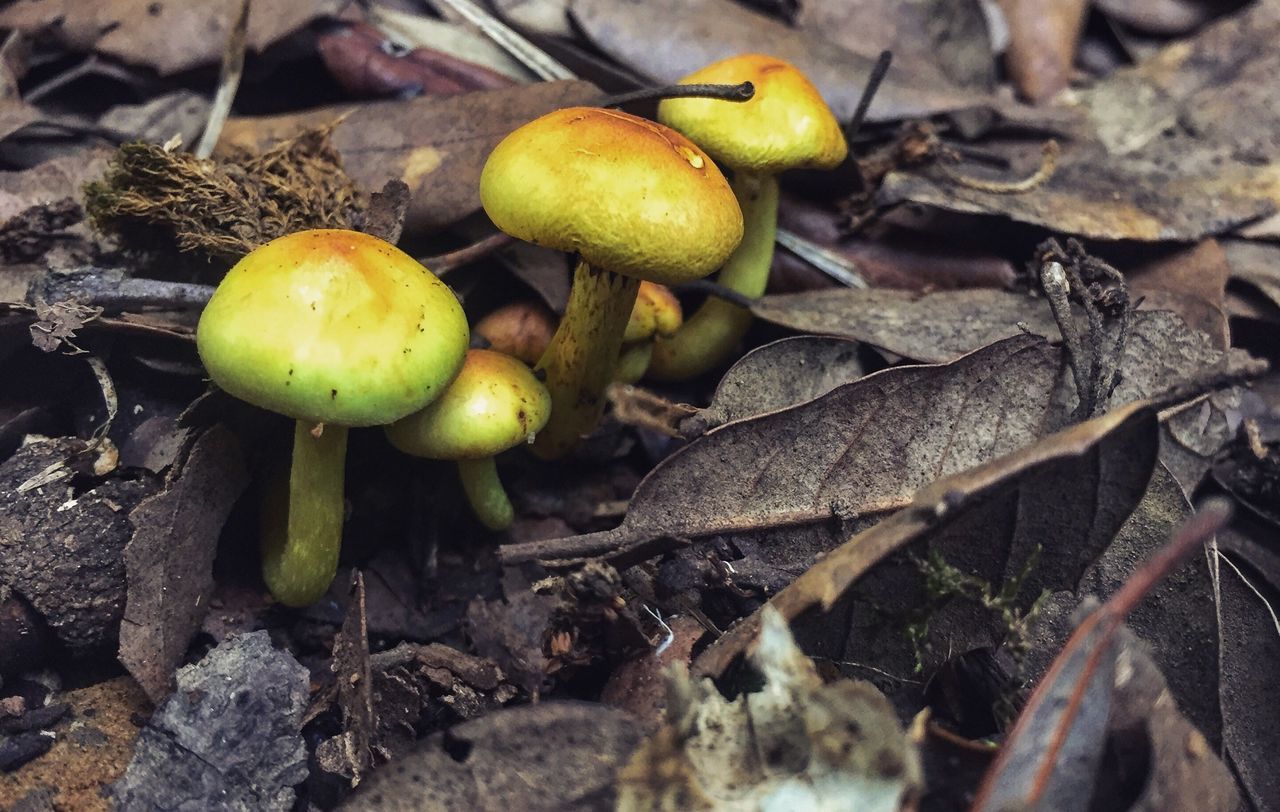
point(333, 328)
point(635, 200)
point(656, 313)
point(785, 125)
point(495, 403)
point(521, 329)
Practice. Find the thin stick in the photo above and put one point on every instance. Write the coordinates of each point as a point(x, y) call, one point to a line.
point(228, 83)
point(868, 93)
point(732, 93)
point(441, 264)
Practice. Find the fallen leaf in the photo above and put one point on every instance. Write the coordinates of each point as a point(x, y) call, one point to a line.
point(1051, 756)
point(934, 42)
point(639, 685)
point(1257, 264)
point(435, 145)
point(777, 375)
point(669, 39)
point(1166, 17)
point(169, 560)
point(182, 113)
point(166, 35)
point(1191, 282)
point(348, 754)
point(991, 519)
point(567, 752)
point(807, 473)
point(1168, 156)
point(47, 183)
point(1249, 636)
point(928, 327)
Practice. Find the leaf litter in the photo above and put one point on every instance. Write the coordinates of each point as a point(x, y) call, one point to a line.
point(922, 490)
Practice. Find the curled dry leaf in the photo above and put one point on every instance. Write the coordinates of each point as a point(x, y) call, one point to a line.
point(802, 478)
point(435, 145)
point(1043, 35)
point(777, 375)
point(795, 744)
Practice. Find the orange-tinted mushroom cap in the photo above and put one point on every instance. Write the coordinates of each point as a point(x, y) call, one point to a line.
point(785, 125)
point(656, 312)
point(333, 326)
point(495, 403)
point(630, 195)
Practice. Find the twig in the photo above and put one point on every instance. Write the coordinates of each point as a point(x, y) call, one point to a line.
point(442, 264)
point(228, 83)
point(1048, 165)
point(731, 93)
point(878, 72)
point(531, 56)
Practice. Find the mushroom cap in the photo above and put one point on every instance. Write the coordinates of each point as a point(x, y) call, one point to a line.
point(523, 329)
point(785, 125)
point(656, 312)
point(630, 195)
point(333, 326)
point(495, 403)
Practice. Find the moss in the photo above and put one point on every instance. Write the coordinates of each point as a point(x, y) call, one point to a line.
point(152, 198)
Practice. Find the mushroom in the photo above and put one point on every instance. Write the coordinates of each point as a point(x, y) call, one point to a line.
point(495, 403)
point(635, 200)
point(521, 329)
point(333, 328)
point(785, 125)
point(656, 313)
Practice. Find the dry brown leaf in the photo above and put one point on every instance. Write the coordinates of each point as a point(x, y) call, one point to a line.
point(668, 39)
point(1162, 16)
point(777, 375)
point(169, 560)
point(1179, 148)
point(168, 35)
point(989, 521)
point(802, 478)
point(938, 42)
point(435, 145)
point(1191, 282)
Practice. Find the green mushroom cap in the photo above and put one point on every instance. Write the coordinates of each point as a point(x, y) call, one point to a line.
point(494, 404)
point(333, 326)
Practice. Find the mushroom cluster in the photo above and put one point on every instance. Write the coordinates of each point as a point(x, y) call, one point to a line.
point(338, 329)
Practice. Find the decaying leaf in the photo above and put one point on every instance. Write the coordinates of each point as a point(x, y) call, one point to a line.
point(668, 39)
point(169, 560)
point(1051, 756)
point(567, 754)
point(802, 478)
point(168, 35)
point(928, 327)
point(435, 145)
point(795, 744)
point(1249, 608)
point(1169, 157)
point(777, 375)
point(348, 754)
point(990, 521)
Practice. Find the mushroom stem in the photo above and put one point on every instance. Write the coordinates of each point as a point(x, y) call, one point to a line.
point(583, 354)
point(485, 492)
point(300, 555)
point(708, 338)
point(634, 361)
